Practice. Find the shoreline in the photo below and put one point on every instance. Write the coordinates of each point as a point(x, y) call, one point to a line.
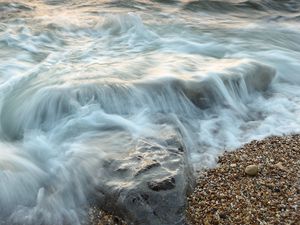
point(227, 195)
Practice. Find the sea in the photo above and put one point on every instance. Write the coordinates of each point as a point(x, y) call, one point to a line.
point(83, 81)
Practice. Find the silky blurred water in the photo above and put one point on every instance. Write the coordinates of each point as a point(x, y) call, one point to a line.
point(82, 81)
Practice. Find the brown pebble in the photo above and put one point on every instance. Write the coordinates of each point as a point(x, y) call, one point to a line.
point(280, 166)
point(251, 170)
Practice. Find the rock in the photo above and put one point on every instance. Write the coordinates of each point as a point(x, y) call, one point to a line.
point(276, 189)
point(223, 216)
point(146, 166)
point(280, 166)
point(162, 185)
point(251, 170)
point(150, 184)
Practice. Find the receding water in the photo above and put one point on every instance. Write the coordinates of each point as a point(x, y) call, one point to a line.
point(82, 82)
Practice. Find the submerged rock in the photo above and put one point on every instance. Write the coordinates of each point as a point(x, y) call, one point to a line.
point(147, 166)
point(162, 185)
point(150, 185)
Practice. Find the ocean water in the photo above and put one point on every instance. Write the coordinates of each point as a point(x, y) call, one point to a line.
point(82, 81)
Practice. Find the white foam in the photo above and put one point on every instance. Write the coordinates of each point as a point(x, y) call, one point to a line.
point(75, 94)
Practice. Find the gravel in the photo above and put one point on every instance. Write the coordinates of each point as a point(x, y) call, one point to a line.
point(96, 216)
point(227, 195)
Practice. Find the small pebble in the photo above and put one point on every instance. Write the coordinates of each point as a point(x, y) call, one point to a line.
point(280, 166)
point(251, 170)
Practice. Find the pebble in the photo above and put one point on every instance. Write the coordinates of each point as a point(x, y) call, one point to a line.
point(280, 166)
point(251, 170)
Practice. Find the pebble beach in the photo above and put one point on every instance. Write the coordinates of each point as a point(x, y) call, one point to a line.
point(228, 195)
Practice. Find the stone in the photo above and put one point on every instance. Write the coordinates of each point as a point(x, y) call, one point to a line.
point(251, 170)
point(223, 216)
point(150, 184)
point(280, 166)
point(146, 166)
point(162, 185)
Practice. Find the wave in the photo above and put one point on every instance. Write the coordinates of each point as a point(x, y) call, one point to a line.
point(47, 131)
point(14, 10)
point(291, 6)
point(40, 108)
point(54, 134)
point(14, 7)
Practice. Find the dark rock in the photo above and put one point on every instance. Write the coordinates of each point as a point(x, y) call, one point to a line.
point(223, 216)
point(276, 189)
point(145, 196)
point(150, 185)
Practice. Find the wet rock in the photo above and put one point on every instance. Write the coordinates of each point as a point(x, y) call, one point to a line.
point(150, 185)
point(146, 167)
point(251, 170)
point(162, 185)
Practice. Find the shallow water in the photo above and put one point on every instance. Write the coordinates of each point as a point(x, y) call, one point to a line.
point(81, 82)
